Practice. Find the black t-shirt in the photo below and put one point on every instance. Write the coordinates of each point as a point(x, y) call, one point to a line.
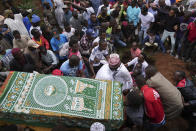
point(170, 22)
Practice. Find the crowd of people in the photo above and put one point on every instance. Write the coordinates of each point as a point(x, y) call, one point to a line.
point(82, 39)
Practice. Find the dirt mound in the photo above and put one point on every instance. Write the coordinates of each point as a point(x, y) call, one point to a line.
point(167, 65)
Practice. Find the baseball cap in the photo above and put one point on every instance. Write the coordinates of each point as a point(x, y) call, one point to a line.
point(32, 43)
point(91, 32)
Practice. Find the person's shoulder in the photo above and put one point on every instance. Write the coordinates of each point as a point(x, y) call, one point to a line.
point(150, 14)
point(73, 29)
point(50, 52)
point(62, 35)
point(95, 49)
point(65, 64)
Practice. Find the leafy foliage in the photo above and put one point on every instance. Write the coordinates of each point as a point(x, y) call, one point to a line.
point(29, 4)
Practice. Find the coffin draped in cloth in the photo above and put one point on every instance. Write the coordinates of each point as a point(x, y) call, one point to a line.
point(44, 100)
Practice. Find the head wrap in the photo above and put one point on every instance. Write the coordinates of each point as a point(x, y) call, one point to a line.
point(114, 59)
point(35, 18)
point(7, 13)
point(15, 51)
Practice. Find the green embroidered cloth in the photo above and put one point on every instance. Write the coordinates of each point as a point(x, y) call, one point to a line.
point(48, 99)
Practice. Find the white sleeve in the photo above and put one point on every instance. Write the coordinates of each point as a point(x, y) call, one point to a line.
point(54, 58)
point(132, 62)
point(153, 20)
point(18, 17)
point(92, 56)
point(99, 9)
point(168, 2)
point(128, 82)
point(156, 2)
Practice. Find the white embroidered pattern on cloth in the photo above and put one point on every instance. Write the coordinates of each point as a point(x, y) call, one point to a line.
point(35, 95)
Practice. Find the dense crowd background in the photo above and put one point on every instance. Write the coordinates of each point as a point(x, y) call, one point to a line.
point(84, 39)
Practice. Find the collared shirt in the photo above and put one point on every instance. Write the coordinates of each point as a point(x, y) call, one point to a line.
point(22, 43)
point(88, 12)
point(85, 45)
point(76, 23)
point(92, 25)
point(98, 54)
point(133, 14)
point(134, 63)
point(69, 34)
point(121, 74)
point(49, 58)
point(17, 24)
point(7, 58)
point(57, 44)
point(192, 32)
point(96, 4)
point(70, 71)
point(68, 16)
point(5, 44)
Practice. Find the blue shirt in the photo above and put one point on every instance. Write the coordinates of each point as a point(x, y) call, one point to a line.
point(70, 71)
point(49, 1)
point(27, 23)
point(92, 25)
point(7, 58)
point(68, 16)
point(96, 4)
point(133, 14)
point(57, 44)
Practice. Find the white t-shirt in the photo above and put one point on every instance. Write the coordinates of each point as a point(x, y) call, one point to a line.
point(88, 12)
point(96, 40)
point(146, 20)
point(167, 2)
point(99, 9)
point(134, 63)
point(100, 55)
point(121, 75)
point(17, 24)
point(69, 34)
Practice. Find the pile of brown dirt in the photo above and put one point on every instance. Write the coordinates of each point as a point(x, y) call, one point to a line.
point(167, 65)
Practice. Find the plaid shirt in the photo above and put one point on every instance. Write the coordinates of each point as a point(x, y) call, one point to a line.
point(85, 45)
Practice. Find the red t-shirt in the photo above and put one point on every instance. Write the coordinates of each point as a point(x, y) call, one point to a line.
point(192, 32)
point(182, 83)
point(135, 53)
point(42, 42)
point(153, 105)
